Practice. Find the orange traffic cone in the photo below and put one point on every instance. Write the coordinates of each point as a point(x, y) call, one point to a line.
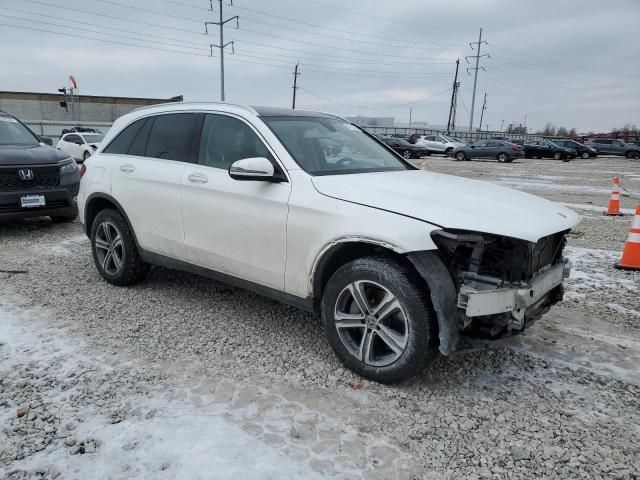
point(631, 254)
point(614, 199)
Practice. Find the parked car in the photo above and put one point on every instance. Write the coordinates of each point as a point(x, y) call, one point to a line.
point(583, 151)
point(548, 149)
point(80, 146)
point(439, 143)
point(406, 149)
point(503, 151)
point(80, 130)
point(612, 146)
point(399, 261)
point(35, 179)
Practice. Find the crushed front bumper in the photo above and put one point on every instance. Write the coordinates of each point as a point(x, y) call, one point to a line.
point(481, 295)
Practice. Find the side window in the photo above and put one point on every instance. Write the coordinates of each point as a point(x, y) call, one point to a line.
point(226, 139)
point(171, 136)
point(493, 144)
point(71, 138)
point(124, 139)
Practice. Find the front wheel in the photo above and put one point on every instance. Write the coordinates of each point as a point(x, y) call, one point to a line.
point(557, 156)
point(460, 156)
point(379, 320)
point(114, 250)
point(503, 157)
point(585, 155)
point(406, 154)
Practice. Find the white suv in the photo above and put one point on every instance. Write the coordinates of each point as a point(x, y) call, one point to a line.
point(309, 209)
point(439, 143)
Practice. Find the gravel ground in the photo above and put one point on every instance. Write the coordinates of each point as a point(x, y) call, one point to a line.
point(102, 370)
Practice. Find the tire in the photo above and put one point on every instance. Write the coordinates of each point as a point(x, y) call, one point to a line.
point(85, 156)
point(406, 154)
point(460, 156)
point(585, 155)
point(510, 160)
point(557, 156)
point(110, 234)
point(64, 218)
point(409, 327)
point(503, 157)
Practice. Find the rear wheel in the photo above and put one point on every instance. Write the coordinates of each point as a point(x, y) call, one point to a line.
point(585, 155)
point(503, 157)
point(114, 250)
point(460, 156)
point(557, 156)
point(379, 320)
point(406, 154)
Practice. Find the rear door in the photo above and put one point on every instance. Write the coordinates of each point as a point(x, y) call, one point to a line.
point(146, 180)
point(231, 226)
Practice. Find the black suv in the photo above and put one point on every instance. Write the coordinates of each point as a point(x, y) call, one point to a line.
point(404, 148)
point(35, 179)
point(584, 151)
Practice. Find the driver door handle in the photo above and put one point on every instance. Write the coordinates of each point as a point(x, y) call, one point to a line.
point(197, 178)
point(127, 168)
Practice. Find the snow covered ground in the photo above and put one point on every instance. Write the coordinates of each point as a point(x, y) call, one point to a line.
point(156, 436)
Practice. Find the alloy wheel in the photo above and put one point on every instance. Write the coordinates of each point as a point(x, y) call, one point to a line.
point(407, 154)
point(371, 323)
point(109, 248)
point(502, 157)
point(585, 155)
point(460, 156)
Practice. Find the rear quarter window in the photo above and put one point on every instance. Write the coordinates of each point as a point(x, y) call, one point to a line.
point(122, 142)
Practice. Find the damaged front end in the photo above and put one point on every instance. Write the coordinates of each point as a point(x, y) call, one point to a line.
point(503, 284)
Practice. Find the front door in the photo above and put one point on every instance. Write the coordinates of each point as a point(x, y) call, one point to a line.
point(235, 227)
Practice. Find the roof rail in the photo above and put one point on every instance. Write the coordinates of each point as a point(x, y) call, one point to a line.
point(244, 107)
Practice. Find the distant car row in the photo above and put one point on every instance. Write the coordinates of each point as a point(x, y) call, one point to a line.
point(506, 149)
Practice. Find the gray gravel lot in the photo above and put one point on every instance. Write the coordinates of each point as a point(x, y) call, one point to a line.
point(560, 401)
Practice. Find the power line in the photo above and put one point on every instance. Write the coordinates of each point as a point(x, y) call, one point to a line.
point(66, 19)
point(420, 25)
point(101, 33)
point(374, 107)
point(289, 19)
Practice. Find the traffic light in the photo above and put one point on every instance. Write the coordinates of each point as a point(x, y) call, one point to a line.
point(63, 103)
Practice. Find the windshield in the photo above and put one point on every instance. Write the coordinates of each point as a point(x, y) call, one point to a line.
point(330, 146)
point(92, 137)
point(13, 132)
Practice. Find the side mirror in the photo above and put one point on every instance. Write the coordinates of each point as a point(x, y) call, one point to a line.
point(47, 141)
point(472, 146)
point(256, 168)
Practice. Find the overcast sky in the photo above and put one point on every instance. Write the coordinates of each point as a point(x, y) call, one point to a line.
point(573, 63)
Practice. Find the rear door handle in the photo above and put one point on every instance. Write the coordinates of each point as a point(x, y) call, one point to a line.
point(127, 168)
point(197, 178)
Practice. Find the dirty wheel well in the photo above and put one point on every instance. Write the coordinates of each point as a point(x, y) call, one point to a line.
point(343, 253)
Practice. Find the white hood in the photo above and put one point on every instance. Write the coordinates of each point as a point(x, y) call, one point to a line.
point(452, 202)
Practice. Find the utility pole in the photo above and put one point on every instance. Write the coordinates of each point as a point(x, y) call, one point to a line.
point(501, 125)
point(484, 107)
point(295, 84)
point(222, 45)
point(451, 123)
point(477, 56)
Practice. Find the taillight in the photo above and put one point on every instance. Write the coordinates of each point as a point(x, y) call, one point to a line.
point(515, 148)
point(83, 169)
